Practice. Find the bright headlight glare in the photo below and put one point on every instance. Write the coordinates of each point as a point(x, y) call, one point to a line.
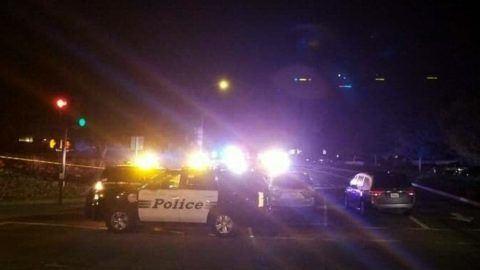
point(98, 186)
point(275, 161)
point(235, 159)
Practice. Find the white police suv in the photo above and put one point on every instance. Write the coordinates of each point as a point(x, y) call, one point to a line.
point(223, 201)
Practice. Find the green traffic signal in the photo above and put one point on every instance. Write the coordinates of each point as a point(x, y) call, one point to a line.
point(82, 122)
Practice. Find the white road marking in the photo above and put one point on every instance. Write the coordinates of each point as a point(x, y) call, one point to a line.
point(460, 217)
point(250, 232)
point(419, 223)
point(52, 225)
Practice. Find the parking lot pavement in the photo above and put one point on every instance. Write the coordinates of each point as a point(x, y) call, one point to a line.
point(443, 213)
point(75, 243)
point(439, 234)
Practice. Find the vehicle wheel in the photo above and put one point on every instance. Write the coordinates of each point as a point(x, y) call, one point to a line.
point(119, 221)
point(407, 212)
point(222, 224)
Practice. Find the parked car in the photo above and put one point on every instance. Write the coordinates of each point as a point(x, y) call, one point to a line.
point(380, 190)
point(292, 190)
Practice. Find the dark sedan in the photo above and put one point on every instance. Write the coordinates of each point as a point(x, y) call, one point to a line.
point(380, 190)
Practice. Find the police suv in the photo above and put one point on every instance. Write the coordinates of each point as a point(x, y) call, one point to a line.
point(222, 200)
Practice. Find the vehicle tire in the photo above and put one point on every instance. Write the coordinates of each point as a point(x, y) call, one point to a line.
point(119, 221)
point(407, 212)
point(222, 224)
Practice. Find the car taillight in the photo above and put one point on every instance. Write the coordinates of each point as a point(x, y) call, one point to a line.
point(376, 193)
point(261, 199)
point(411, 191)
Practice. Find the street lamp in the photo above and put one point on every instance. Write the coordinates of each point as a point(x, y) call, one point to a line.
point(223, 85)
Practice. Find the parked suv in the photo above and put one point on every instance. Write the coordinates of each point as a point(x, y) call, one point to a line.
point(380, 190)
point(219, 199)
point(292, 190)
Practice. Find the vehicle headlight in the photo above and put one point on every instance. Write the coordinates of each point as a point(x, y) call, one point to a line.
point(98, 186)
point(132, 197)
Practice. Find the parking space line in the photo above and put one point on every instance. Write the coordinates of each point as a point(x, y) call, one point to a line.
point(51, 225)
point(419, 223)
point(250, 232)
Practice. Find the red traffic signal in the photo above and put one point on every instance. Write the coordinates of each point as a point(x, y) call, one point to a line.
point(61, 103)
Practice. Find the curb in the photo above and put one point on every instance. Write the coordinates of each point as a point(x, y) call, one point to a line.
point(448, 195)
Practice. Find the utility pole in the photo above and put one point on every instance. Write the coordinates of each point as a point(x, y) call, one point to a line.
point(61, 105)
point(61, 182)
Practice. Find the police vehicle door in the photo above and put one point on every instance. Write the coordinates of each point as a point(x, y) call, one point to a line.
point(199, 194)
point(157, 200)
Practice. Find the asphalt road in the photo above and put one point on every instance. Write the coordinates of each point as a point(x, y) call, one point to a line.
point(440, 234)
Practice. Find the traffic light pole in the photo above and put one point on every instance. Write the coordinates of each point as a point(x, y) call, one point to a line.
point(61, 177)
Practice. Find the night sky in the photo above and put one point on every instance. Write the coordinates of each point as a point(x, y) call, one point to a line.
point(151, 67)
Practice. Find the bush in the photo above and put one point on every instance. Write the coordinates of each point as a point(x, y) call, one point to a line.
point(20, 186)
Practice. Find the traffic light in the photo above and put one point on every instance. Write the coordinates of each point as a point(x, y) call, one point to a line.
point(61, 103)
point(82, 122)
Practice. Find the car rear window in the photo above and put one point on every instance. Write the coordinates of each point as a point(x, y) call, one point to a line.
point(387, 180)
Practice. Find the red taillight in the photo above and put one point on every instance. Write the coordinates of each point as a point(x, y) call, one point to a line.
point(411, 191)
point(376, 193)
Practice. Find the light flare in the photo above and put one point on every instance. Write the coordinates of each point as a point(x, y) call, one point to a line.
point(275, 162)
point(147, 160)
point(235, 159)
